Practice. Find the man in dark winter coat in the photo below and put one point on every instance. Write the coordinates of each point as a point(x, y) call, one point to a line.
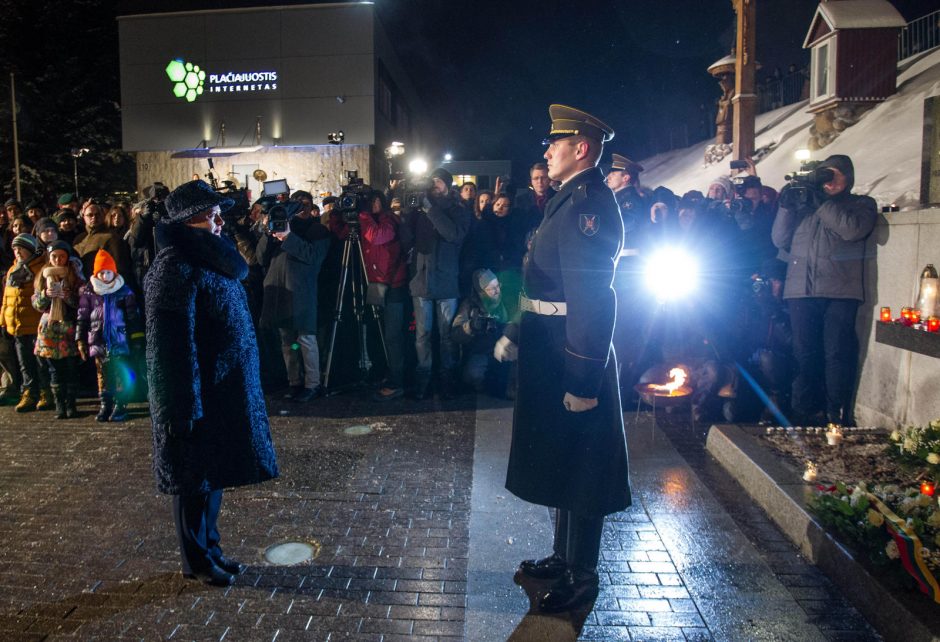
point(569, 449)
point(292, 259)
point(210, 424)
point(436, 233)
point(824, 242)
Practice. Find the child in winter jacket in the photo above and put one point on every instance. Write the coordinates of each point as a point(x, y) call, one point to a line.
point(21, 321)
point(108, 319)
point(56, 296)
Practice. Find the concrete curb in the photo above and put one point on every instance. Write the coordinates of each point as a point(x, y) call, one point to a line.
point(779, 490)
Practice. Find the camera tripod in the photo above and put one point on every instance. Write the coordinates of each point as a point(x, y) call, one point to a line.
point(353, 274)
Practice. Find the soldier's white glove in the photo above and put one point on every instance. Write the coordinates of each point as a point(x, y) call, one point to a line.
point(505, 350)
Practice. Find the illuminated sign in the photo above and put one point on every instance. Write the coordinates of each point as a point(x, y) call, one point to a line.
point(189, 80)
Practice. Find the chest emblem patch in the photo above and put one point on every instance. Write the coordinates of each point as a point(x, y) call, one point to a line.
point(589, 224)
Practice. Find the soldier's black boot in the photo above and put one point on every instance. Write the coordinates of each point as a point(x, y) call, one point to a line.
point(547, 568)
point(575, 589)
point(58, 397)
point(107, 405)
point(71, 411)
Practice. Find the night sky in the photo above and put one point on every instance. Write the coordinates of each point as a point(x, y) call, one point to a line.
point(488, 70)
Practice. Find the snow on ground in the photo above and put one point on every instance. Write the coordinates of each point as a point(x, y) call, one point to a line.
point(885, 144)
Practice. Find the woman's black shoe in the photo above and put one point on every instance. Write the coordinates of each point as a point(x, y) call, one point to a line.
point(547, 568)
point(213, 576)
point(572, 592)
point(230, 566)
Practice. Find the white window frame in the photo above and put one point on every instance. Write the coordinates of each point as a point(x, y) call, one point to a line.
point(815, 96)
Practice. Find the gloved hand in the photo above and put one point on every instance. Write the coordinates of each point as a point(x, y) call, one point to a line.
point(178, 429)
point(505, 350)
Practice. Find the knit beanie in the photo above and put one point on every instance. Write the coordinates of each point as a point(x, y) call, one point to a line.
point(104, 261)
point(28, 242)
point(44, 223)
point(725, 183)
point(67, 198)
point(444, 175)
point(61, 245)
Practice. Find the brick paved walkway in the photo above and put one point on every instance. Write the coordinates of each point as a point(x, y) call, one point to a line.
point(89, 547)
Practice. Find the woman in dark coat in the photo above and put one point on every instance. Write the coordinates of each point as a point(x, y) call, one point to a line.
point(210, 424)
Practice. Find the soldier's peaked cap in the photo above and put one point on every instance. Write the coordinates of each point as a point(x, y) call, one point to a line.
point(624, 164)
point(568, 121)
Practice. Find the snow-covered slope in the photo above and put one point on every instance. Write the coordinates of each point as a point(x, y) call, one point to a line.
point(885, 144)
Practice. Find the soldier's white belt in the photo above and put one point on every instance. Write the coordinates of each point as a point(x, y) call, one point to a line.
point(546, 308)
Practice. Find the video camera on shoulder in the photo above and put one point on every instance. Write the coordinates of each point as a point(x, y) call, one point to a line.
point(804, 189)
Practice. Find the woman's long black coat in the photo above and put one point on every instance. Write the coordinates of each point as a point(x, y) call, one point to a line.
point(202, 359)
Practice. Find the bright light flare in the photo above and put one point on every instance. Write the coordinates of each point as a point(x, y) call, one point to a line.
point(671, 274)
point(395, 149)
point(802, 155)
point(448, 157)
point(418, 166)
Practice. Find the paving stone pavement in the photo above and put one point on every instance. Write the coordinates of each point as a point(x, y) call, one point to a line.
point(90, 548)
point(90, 553)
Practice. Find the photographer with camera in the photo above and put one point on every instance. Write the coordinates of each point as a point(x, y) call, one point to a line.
point(480, 322)
point(821, 227)
point(140, 237)
point(387, 273)
point(292, 250)
point(435, 231)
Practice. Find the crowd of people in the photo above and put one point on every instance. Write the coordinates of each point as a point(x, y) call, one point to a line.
point(453, 263)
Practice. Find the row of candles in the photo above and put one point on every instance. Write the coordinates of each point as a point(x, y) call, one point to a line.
point(811, 472)
point(911, 317)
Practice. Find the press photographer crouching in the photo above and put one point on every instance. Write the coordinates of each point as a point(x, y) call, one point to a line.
point(821, 229)
point(480, 322)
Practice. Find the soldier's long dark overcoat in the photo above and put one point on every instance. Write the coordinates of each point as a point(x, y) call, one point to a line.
point(572, 461)
point(202, 358)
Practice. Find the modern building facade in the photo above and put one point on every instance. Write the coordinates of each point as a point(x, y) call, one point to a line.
point(265, 88)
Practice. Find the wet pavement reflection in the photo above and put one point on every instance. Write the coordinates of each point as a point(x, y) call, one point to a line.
point(692, 559)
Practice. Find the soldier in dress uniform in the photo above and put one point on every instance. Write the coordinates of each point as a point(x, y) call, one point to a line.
point(629, 336)
point(569, 449)
point(624, 179)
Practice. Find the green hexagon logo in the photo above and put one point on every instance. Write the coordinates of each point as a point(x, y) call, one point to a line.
point(187, 79)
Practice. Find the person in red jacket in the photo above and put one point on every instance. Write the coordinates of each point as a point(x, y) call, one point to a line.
point(387, 273)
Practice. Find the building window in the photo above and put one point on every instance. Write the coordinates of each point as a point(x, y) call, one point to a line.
point(823, 77)
point(460, 179)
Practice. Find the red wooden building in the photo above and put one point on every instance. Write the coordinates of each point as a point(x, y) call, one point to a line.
point(854, 47)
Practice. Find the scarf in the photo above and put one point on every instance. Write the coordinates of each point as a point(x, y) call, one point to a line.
point(20, 275)
point(53, 278)
point(111, 312)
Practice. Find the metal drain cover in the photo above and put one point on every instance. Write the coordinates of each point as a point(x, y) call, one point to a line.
point(358, 430)
point(291, 553)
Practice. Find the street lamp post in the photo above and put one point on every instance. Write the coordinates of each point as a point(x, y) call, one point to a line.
point(77, 152)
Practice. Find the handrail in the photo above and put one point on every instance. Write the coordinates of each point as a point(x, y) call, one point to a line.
point(919, 35)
